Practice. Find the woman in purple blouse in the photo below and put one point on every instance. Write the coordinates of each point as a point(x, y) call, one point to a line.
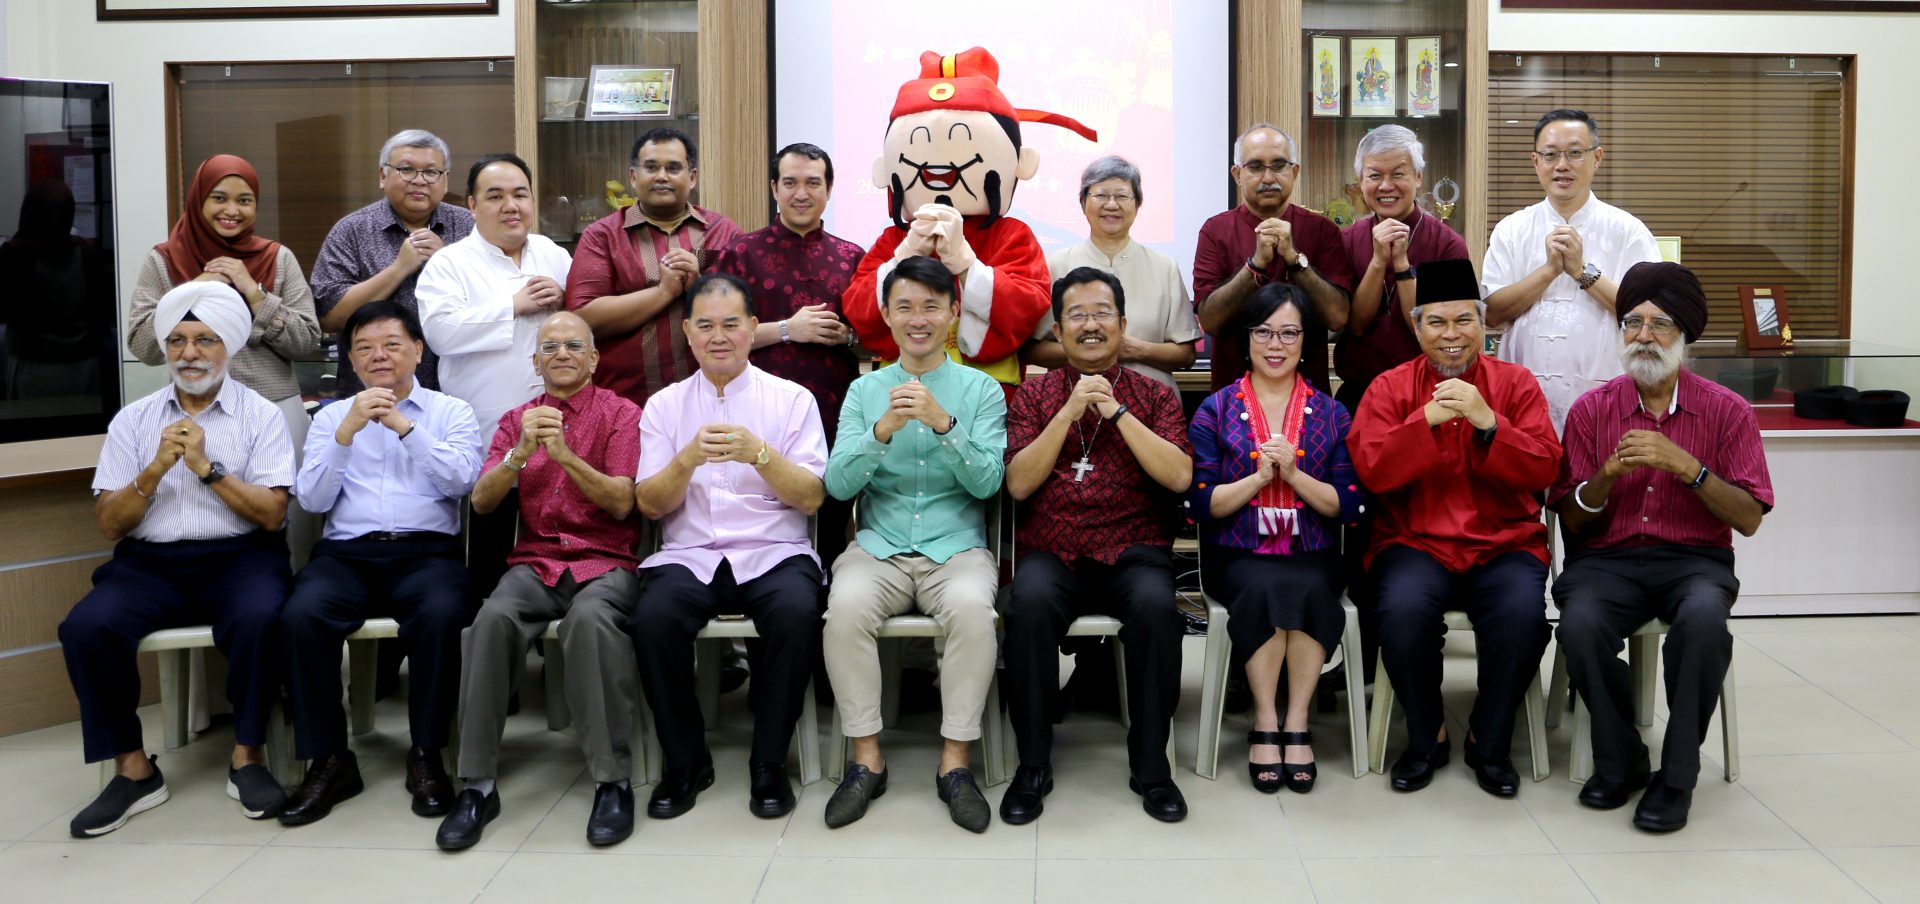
point(1272, 481)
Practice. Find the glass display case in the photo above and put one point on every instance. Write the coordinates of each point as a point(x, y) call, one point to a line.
point(1769, 377)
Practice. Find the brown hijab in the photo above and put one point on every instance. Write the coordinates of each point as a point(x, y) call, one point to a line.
point(192, 241)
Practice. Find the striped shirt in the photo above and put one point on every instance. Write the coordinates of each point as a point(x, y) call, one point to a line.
point(380, 482)
point(1649, 507)
point(620, 254)
point(244, 432)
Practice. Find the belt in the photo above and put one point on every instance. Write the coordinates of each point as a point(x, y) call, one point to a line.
point(405, 535)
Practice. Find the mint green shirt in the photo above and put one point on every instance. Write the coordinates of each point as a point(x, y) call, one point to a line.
point(921, 492)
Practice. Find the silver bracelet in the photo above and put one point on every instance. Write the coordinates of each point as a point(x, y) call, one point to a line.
point(1582, 503)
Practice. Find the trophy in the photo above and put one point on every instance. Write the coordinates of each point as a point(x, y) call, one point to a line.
point(1444, 198)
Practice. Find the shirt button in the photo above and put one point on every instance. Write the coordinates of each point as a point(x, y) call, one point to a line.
point(1644, 518)
point(923, 462)
point(1649, 488)
point(916, 517)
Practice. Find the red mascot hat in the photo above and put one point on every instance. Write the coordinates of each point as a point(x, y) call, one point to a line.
point(969, 80)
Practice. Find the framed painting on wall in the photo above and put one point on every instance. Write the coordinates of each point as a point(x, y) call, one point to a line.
point(1372, 62)
point(1327, 77)
point(1423, 76)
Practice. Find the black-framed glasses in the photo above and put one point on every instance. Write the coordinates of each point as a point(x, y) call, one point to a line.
point(1287, 335)
point(1574, 155)
point(409, 174)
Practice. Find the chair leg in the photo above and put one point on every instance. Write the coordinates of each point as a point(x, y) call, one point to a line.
point(1213, 697)
point(1643, 653)
point(807, 735)
point(992, 736)
point(363, 670)
point(1356, 691)
point(892, 656)
point(1581, 768)
point(1557, 692)
point(1729, 728)
point(553, 673)
point(706, 677)
point(174, 666)
point(1120, 679)
point(1381, 718)
point(1536, 706)
point(648, 760)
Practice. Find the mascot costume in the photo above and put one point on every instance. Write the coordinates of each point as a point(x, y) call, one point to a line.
point(952, 157)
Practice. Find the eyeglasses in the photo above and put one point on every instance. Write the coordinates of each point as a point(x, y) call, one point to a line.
point(202, 343)
point(1661, 326)
point(1102, 199)
point(392, 347)
point(1257, 168)
point(1573, 155)
point(672, 169)
point(1104, 315)
point(573, 347)
point(409, 174)
point(1289, 336)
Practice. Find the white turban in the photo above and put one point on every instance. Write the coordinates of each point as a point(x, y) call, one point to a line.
point(215, 303)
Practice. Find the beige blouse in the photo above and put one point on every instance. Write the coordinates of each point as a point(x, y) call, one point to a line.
point(284, 326)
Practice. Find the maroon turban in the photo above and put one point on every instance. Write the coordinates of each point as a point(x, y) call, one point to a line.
point(1671, 286)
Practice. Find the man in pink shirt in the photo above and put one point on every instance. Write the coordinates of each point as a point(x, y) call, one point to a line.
point(735, 457)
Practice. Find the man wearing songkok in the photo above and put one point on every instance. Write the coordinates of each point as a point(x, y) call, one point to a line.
point(573, 451)
point(1456, 448)
point(1161, 331)
point(921, 445)
point(192, 482)
point(1265, 239)
point(1662, 466)
point(1552, 269)
point(376, 253)
point(733, 456)
point(389, 467)
point(632, 267)
point(1095, 454)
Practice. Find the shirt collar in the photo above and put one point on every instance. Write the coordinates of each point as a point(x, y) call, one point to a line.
point(575, 403)
point(633, 216)
point(786, 234)
point(1579, 216)
point(225, 400)
point(1093, 251)
point(390, 218)
point(413, 396)
point(1685, 385)
point(945, 361)
point(740, 384)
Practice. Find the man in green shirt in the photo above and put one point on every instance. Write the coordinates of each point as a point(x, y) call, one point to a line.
point(922, 443)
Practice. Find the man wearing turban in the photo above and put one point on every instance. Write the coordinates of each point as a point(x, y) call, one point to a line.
point(1661, 467)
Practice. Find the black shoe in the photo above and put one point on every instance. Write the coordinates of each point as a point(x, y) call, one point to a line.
point(1161, 800)
point(1496, 776)
point(1023, 801)
point(428, 782)
point(471, 813)
point(1255, 770)
point(770, 793)
point(329, 780)
point(1414, 771)
point(1602, 793)
point(678, 788)
point(118, 801)
point(1291, 772)
point(611, 820)
point(258, 792)
point(1662, 809)
point(858, 788)
point(966, 805)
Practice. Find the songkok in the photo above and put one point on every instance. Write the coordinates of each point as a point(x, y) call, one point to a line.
point(1671, 286)
point(213, 303)
point(1450, 280)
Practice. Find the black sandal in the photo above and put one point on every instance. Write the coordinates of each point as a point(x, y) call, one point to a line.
point(1265, 786)
point(1311, 770)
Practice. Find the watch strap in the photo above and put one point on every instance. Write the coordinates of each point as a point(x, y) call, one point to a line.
point(1299, 263)
point(1114, 418)
point(784, 335)
point(1412, 272)
point(1700, 479)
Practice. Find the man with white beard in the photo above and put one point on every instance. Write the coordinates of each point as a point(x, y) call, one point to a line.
point(1661, 466)
point(192, 482)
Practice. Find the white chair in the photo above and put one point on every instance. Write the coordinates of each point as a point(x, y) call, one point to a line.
point(172, 648)
point(1643, 650)
point(1533, 705)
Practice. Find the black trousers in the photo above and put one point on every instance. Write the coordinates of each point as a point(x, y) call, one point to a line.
point(1047, 595)
point(1505, 599)
point(421, 583)
point(1603, 596)
point(237, 584)
point(785, 606)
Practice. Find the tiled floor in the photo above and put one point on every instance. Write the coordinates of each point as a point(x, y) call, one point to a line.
point(1827, 809)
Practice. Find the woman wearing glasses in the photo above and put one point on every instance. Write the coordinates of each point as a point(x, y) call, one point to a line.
point(1272, 481)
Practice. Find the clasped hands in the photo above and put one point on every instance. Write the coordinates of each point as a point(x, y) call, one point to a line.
point(1092, 391)
point(543, 427)
point(1565, 251)
point(1457, 398)
point(1273, 238)
point(374, 405)
point(938, 230)
point(910, 401)
point(716, 443)
point(1648, 449)
point(182, 440)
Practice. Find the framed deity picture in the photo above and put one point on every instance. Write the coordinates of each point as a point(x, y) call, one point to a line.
point(1423, 76)
point(630, 92)
point(1326, 76)
point(1372, 63)
point(1764, 310)
point(137, 10)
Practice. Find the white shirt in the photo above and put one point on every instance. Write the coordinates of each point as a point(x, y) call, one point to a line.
point(1159, 309)
point(381, 482)
point(1569, 339)
point(244, 432)
point(466, 310)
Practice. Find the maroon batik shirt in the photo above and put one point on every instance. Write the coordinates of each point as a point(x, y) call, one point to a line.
point(560, 528)
point(787, 271)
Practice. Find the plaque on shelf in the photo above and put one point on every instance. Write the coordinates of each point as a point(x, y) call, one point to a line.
point(1764, 311)
point(631, 92)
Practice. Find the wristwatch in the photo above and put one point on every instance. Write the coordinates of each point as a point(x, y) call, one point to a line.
point(1699, 480)
point(766, 455)
point(1588, 277)
point(216, 472)
point(953, 420)
point(1412, 272)
point(784, 335)
point(508, 463)
point(1114, 418)
point(1299, 264)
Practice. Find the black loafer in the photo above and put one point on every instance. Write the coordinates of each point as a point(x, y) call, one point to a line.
point(858, 788)
point(1413, 771)
point(1024, 798)
point(1161, 800)
point(771, 792)
point(1662, 809)
point(1496, 776)
point(677, 789)
point(611, 820)
point(470, 814)
point(1602, 793)
point(329, 780)
point(428, 782)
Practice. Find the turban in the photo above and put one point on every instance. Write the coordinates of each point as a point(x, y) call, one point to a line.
point(213, 303)
point(1450, 280)
point(1671, 286)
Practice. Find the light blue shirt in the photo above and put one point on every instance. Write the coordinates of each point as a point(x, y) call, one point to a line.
point(384, 483)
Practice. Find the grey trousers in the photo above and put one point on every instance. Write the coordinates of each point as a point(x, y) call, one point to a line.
point(601, 675)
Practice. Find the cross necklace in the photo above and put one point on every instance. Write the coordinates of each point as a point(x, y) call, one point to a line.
point(1084, 465)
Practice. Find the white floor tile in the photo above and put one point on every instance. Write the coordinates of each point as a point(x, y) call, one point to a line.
point(1108, 881)
point(288, 875)
point(1444, 880)
point(121, 872)
point(1891, 874)
point(1750, 877)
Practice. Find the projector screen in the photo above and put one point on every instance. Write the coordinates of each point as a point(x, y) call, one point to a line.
point(1153, 83)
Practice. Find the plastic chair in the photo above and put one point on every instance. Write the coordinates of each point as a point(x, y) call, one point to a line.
point(1534, 706)
point(172, 648)
point(1643, 650)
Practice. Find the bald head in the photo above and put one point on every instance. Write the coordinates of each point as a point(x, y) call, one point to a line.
point(564, 355)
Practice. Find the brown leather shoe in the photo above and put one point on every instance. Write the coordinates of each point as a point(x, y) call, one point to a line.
point(330, 780)
point(427, 781)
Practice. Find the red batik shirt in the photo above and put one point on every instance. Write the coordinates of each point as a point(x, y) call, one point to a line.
point(1226, 244)
point(1118, 504)
point(787, 271)
point(621, 253)
point(1647, 507)
point(560, 528)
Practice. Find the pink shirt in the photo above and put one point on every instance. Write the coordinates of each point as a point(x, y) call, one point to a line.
point(730, 512)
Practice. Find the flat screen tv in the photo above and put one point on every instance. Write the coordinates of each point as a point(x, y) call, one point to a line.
point(59, 309)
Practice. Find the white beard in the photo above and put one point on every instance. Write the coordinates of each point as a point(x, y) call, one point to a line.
point(197, 385)
point(1652, 371)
